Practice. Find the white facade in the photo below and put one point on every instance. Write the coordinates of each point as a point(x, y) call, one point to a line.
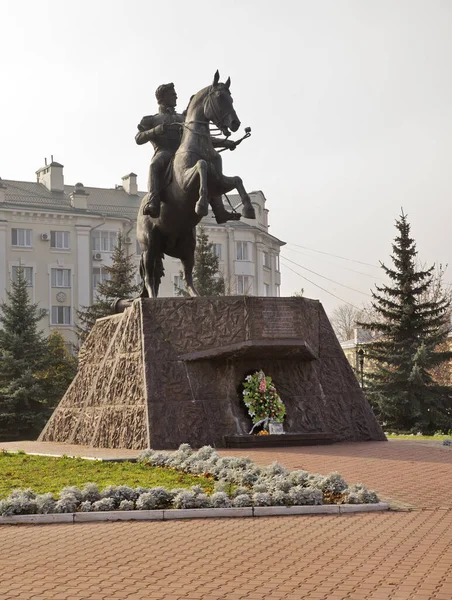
point(64, 235)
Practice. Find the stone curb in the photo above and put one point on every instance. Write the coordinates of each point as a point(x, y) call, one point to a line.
point(196, 513)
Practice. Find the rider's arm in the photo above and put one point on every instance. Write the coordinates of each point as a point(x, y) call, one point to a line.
point(146, 131)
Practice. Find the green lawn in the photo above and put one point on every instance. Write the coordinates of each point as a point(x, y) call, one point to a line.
point(399, 436)
point(45, 474)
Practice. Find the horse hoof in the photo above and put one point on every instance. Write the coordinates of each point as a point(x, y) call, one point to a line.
point(248, 212)
point(202, 209)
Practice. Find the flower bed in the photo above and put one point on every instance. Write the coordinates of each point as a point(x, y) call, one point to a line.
point(238, 483)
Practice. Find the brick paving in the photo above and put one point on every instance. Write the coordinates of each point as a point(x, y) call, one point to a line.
point(375, 556)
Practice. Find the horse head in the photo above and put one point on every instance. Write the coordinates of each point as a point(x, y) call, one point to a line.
point(218, 106)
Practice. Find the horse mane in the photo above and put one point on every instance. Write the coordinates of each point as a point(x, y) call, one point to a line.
point(190, 102)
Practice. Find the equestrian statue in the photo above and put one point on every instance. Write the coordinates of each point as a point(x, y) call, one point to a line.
point(185, 176)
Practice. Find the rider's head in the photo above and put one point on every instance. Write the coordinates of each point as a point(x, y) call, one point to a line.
point(166, 95)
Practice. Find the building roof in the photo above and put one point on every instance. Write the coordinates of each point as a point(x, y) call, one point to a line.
point(113, 202)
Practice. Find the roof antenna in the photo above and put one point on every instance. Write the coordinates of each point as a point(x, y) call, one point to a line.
point(51, 157)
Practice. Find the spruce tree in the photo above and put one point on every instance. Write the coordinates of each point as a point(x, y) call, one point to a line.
point(412, 328)
point(120, 284)
point(58, 369)
point(22, 352)
point(207, 277)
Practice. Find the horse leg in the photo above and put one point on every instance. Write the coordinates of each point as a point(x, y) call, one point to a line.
point(189, 179)
point(144, 290)
point(187, 254)
point(152, 267)
point(149, 268)
point(236, 183)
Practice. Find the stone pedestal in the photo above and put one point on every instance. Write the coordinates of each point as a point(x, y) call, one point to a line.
point(169, 371)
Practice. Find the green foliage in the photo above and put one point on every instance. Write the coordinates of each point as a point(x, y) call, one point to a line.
point(411, 324)
point(206, 273)
point(58, 370)
point(46, 474)
point(22, 352)
point(120, 284)
point(261, 398)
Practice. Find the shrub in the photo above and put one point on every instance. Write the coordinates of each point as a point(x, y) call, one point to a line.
point(155, 499)
point(189, 499)
point(72, 491)
point(104, 504)
point(45, 504)
point(19, 502)
point(301, 496)
point(220, 500)
point(127, 505)
point(298, 477)
point(364, 495)
point(262, 499)
point(280, 498)
point(90, 493)
point(66, 504)
point(242, 501)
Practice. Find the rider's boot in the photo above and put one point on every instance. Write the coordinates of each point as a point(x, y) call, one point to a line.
point(152, 206)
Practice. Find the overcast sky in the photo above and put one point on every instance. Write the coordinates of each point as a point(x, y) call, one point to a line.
point(350, 104)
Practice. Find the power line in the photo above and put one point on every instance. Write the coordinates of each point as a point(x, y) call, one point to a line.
point(327, 278)
point(337, 256)
point(319, 286)
point(334, 264)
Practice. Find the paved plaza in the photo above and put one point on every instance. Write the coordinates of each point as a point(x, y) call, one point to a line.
point(403, 554)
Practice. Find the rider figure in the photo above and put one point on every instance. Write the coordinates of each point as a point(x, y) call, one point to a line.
point(164, 131)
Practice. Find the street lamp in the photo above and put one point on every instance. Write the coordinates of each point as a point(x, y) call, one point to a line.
point(361, 366)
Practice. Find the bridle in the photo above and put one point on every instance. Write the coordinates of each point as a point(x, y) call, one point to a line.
point(211, 105)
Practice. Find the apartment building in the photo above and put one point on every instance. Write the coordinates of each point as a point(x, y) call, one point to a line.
point(63, 236)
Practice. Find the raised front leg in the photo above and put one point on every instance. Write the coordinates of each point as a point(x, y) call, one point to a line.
point(236, 183)
point(190, 178)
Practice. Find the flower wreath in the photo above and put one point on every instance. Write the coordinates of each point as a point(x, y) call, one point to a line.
point(261, 398)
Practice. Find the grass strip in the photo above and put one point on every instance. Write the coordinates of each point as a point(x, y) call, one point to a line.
point(47, 474)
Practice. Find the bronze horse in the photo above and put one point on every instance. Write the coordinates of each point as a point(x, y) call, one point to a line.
point(196, 179)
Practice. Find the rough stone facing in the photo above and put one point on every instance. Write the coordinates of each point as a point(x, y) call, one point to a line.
point(166, 372)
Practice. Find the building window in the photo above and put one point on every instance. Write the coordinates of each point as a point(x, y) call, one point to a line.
point(277, 262)
point(278, 293)
point(178, 282)
point(266, 259)
point(266, 289)
point(104, 241)
point(21, 238)
point(61, 315)
point(244, 285)
point(28, 274)
point(242, 250)
point(216, 249)
point(99, 276)
point(60, 278)
point(60, 240)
